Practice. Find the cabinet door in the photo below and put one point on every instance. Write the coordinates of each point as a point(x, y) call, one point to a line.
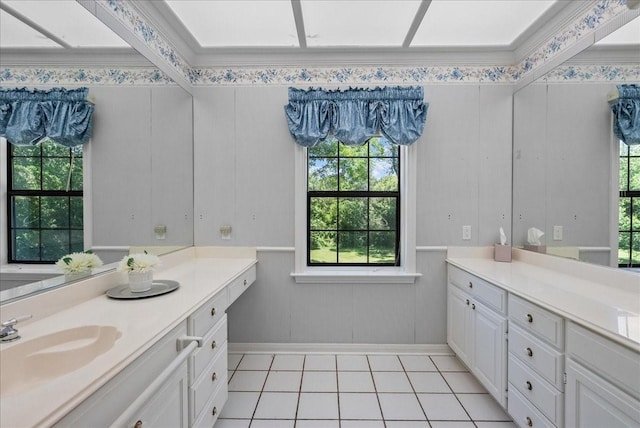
point(458, 324)
point(593, 402)
point(490, 350)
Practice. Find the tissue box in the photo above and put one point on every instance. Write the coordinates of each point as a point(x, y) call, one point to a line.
point(502, 253)
point(537, 248)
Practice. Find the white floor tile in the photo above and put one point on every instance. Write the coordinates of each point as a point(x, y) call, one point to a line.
point(359, 406)
point(496, 425)
point(319, 382)
point(255, 362)
point(407, 424)
point(442, 407)
point(417, 363)
point(463, 382)
point(303, 423)
point(287, 362)
point(233, 423)
point(281, 381)
point(482, 407)
point(385, 363)
point(318, 405)
point(320, 362)
point(391, 382)
point(233, 360)
point(247, 381)
point(353, 363)
point(271, 423)
point(240, 405)
point(446, 363)
point(451, 424)
point(361, 424)
point(355, 382)
point(277, 405)
point(428, 382)
point(401, 407)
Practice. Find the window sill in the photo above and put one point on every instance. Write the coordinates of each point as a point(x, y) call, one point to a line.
point(355, 277)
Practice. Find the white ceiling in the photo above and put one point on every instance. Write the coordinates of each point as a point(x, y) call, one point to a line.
point(318, 23)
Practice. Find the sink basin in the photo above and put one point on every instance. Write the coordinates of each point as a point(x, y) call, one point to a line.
point(37, 361)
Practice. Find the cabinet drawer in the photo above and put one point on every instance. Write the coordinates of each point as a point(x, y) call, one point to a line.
point(542, 394)
point(212, 346)
point(240, 284)
point(610, 360)
point(492, 296)
point(542, 358)
point(212, 409)
point(213, 378)
point(524, 413)
point(547, 325)
point(208, 314)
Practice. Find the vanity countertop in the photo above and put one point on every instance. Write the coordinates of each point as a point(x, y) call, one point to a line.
point(141, 322)
point(602, 299)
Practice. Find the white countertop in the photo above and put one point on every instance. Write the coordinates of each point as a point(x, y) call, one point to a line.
point(141, 322)
point(608, 304)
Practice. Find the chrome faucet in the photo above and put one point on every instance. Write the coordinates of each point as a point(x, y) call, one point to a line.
point(8, 333)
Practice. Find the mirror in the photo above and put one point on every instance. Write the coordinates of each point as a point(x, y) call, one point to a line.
point(138, 166)
point(565, 164)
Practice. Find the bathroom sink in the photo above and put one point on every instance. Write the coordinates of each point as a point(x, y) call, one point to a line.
point(37, 361)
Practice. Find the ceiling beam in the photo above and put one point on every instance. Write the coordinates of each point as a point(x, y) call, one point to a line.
point(417, 20)
point(11, 11)
point(297, 16)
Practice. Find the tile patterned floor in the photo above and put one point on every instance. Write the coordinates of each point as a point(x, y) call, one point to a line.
point(356, 391)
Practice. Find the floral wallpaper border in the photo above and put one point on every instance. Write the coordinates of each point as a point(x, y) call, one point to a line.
point(83, 76)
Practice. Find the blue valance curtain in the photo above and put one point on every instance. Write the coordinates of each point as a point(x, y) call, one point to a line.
point(28, 116)
point(354, 116)
point(626, 112)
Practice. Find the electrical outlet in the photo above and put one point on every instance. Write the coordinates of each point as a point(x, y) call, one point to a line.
point(466, 232)
point(557, 233)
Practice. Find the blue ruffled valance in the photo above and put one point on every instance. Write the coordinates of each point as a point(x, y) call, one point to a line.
point(28, 116)
point(354, 116)
point(626, 111)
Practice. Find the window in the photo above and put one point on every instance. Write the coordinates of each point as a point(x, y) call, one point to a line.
point(629, 206)
point(45, 219)
point(353, 204)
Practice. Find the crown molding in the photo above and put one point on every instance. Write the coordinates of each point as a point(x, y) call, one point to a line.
point(76, 57)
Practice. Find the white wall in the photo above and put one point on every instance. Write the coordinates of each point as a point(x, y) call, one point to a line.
point(244, 164)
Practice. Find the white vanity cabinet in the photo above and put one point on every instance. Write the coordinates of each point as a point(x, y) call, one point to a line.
point(168, 406)
point(603, 381)
point(536, 365)
point(477, 328)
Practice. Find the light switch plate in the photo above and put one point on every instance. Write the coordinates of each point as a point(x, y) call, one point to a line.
point(466, 232)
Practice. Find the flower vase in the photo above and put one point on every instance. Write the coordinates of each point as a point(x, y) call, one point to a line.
point(74, 276)
point(140, 281)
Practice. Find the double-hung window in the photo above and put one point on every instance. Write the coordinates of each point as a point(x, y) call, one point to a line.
point(44, 202)
point(629, 206)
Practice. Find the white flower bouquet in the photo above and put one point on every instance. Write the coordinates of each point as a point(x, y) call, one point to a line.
point(140, 262)
point(79, 262)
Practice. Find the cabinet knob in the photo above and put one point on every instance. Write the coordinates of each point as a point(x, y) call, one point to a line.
point(529, 386)
point(213, 345)
point(138, 424)
point(468, 302)
point(529, 352)
point(213, 312)
point(473, 306)
point(214, 377)
point(470, 284)
point(529, 318)
point(529, 422)
point(214, 411)
point(245, 282)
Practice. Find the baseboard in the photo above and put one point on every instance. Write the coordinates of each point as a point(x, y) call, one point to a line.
point(339, 348)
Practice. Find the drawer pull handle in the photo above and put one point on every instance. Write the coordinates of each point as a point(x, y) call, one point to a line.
point(213, 312)
point(468, 302)
point(529, 421)
point(529, 318)
point(473, 306)
point(213, 345)
point(470, 284)
point(138, 424)
point(214, 411)
point(529, 386)
point(214, 377)
point(529, 352)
